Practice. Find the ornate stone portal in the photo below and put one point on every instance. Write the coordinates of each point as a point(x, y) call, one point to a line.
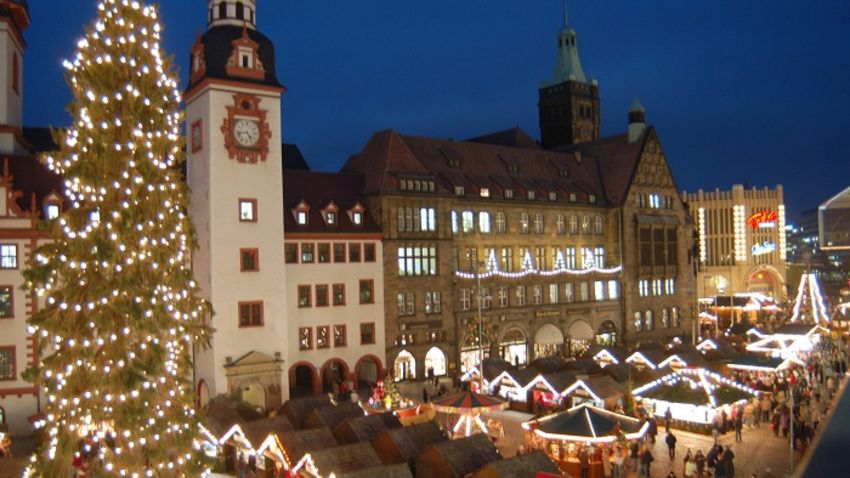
point(256, 378)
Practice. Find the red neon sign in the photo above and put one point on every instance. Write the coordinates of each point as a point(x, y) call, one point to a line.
point(763, 219)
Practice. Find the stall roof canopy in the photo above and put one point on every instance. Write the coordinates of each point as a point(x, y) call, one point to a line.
point(356, 456)
point(521, 466)
point(412, 440)
point(464, 455)
point(223, 412)
point(588, 422)
point(297, 409)
point(798, 329)
point(299, 443)
point(764, 362)
point(331, 416)
point(258, 430)
point(367, 428)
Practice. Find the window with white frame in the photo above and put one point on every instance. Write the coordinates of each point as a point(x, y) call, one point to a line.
point(465, 299)
point(484, 222)
point(520, 295)
point(657, 287)
point(503, 297)
point(599, 290)
point(8, 256)
point(588, 259)
point(670, 286)
point(655, 201)
point(585, 224)
point(500, 223)
point(638, 322)
point(613, 289)
point(506, 262)
point(650, 320)
point(454, 222)
point(540, 259)
point(417, 260)
point(485, 193)
point(570, 258)
point(538, 223)
point(553, 294)
point(433, 303)
point(523, 223)
point(676, 318)
point(561, 224)
point(665, 318)
point(584, 291)
point(405, 303)
point(301, 217)
point(468, 221)
point(427, 219)
point(537, 294)
point(599, 254)
point(598, 225)
point(486, 298)
point(644, 288)
point(573, 224)
point(569, 292)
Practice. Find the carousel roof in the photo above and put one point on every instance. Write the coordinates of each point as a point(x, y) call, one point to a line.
point(468, 401)
point(586, 423)
point(697, 386)
point(761, 363)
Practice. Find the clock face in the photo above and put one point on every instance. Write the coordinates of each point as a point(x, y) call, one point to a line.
point(246, 132)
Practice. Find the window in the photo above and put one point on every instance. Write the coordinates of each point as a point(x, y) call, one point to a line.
point(657, 287)
point(553, 196)
point(599, 254)
point(8, 256)
point(638, 322)
point(523, 223)
point(520, 295)
point(509, 193)
point(249, 260)
point(484, 222)
point(468, 221)
point(569, 292)
point(427, 219)
point(405, 219)
point(340, 336)
point(672, 249)
point(338, 294)
point(537, 294)
point(406, 304)
point(573, 224)
point(304, 296)
point(613, 290)
point(665, 318)
point(584, 291)
point(417, 260)
point(598, 225)
point(532, 195)
point(676, 318)
point(599, 290)
point(571, 258)
point(323, 337)
point(301, 218)
point(500, 223)
point(585, 224)
point(538, 223)
point(553, 293)
point(454, 222)
point(561, 224)
point(485, 193)
point(353, 252)
point(367, 291)
point(290, 253)
point(591, 198)
point(357, 218)
point(7, 363)
point(540, 258)
point(322, 295)
point(506, 263)
point(51, 211)
point(367, 333)
point(324, 252)
point(330, 218)
point(369, 252)
point(670, 286)
point(251, 314)
point(503, 297)
point(459, 191)
point(339, 252)
point(644, 288)
point(305, 338)
point(655, 201)
point(650, 321)
point(16, 73)
point(588, 259)
point(645, 246)
point(527, 262)
point(7, 303)
point(306, 253)
point(485, 297)
point(240, 11)
point(432, 303)
point(465, 299)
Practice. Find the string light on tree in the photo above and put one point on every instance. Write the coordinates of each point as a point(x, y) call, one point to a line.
point(122, 309)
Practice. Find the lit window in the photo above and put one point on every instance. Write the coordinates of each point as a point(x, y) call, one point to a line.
point(573, 224)
point(367, 291)
point(305, 338)
point(598, 225)
point(432, 303)
point(650, 321)
point(599, 255)
point(459, 191)
point(553, 196)
point(500, 223)
point(406, 305)
point(613, 290)
point(485, 297)
point(304, 296)
point(584, 291)
point(8, 256)
point(638, 322)
point(7, 364)
point(306, 253)
point(523, 223)
point(509, 193)
point(454, 222)
point(339, 294)
point(553, 293)
point(484, 222)
point(665, 318)
point(247, 210)
point(485, 193)
point(561, 224)
point(465, 299)
point(520, 295)
point(427, 219)
point(503, 297)
point(323, 337)
point(417, 260)
point(538, 223)
point(340, 336)
point(357, 218)
point(531, 195)
point(331, 218)
point(644, 288)
point(569, 292)
point(468, 221)
point(537, 294)
point(301, 217)
point(7, 309)
point(599, 290)
point(585, 224)
point(571, 258)
point(51, 211)
point(250, 314)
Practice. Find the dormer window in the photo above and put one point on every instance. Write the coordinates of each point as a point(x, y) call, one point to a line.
point(51, 211)
point(330, 214)
point(459, 191)
point(485, 193)
point(509, 193)
point(531, 195)
point(301, 218)
point(591, 198)
point(330, 218)
point(356, 214)
point(553, 196)
point(572, 197)
point(301, 213)
point(357, 218)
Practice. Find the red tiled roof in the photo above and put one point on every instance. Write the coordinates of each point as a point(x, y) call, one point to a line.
point(318, 190)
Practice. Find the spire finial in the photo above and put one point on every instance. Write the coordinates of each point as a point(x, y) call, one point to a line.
point(565, 13)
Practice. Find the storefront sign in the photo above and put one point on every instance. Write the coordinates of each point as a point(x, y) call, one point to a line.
point(547, 314)
point(765, 247)
point(763, 219)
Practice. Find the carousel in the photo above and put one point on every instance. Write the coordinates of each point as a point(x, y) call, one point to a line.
point(386, 399)
point(583, 429)
point(469, 406)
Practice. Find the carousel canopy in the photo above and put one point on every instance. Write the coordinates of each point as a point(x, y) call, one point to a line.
point(762, 363)
point(468, 402)
point(586, 423)
point(695, 386)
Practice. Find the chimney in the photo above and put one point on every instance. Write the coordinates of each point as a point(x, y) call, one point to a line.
point(637, 121)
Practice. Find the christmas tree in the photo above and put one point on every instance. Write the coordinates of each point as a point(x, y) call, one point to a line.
point(122, 311)
point(809, 305)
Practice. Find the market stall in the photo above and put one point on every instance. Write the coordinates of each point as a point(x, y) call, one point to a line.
point(582, 429)
point(469, 406)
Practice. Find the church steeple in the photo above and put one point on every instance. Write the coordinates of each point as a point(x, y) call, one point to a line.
point(569, 103)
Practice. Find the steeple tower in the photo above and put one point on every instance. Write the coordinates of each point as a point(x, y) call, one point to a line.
point(569, 103)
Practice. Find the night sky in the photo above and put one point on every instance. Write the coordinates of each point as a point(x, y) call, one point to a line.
point(754, 92)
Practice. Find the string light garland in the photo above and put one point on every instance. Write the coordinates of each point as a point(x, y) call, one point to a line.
point(122, 311)
point(808, 282)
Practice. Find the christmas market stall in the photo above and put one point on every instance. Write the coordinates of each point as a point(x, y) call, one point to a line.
point(297, 409)
point(330, 416)
point(599, 390)
point(693, 395)
point(646, 357)
point(456, 458)
point(579, 430)
point(511, 384)
point(469, 406)
point(530, 465)
point(404, 445)
point(296, 445)
point(365, 429)
point(326, 462)
point(544, 392)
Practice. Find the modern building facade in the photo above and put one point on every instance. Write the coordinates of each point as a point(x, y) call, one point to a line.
point(560, 244)
point(741, 241)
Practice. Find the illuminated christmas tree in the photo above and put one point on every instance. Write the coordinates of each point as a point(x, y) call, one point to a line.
point(122, 311)
point(809, 305)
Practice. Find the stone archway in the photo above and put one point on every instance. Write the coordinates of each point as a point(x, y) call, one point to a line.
point(404, 366)
point(606, 334)
point(368, 371)
point(436, 359)
point(513, 346)
point(303, 380)
point(579, 337)
point(767, 280)
point(334, 370)
point(548, 340)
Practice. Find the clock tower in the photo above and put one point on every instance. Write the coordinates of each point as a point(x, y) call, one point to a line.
point(14, 19)
point(233, 117)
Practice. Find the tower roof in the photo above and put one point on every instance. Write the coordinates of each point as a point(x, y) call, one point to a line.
point(568, 66)
point(637, 107)
point(217, 48)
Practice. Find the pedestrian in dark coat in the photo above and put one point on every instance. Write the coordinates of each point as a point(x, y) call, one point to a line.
point(670, 439)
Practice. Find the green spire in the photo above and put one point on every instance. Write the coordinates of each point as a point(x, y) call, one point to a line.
point(568, 66)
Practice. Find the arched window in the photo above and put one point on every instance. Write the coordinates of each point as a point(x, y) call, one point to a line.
point(222, 10)
point(638, 322)
point(240, 11)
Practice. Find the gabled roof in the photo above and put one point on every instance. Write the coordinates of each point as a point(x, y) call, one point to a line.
point(365, 428)
point(223, 413)
point(299, 443)
point(513, 137)
point(798, 329)
point(31, 177)
point(297, 409)
point(331, 416)
point(526, 465)
point(464, 455)
point(761, 363)
point(356, 456)
point(652, 355)
point(293, 159)
point(414, 439)
point(401, 470)
point(258, 430)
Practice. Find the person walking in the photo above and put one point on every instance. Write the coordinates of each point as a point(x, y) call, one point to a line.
point(646, 460)
point(617, 458)
point(728, 464)
point(739, 427)
point(670, 439)
point(668, 417)
point(699, 460)
point(584, 462)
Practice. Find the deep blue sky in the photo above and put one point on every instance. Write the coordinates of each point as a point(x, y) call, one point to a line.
point(754, 92)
